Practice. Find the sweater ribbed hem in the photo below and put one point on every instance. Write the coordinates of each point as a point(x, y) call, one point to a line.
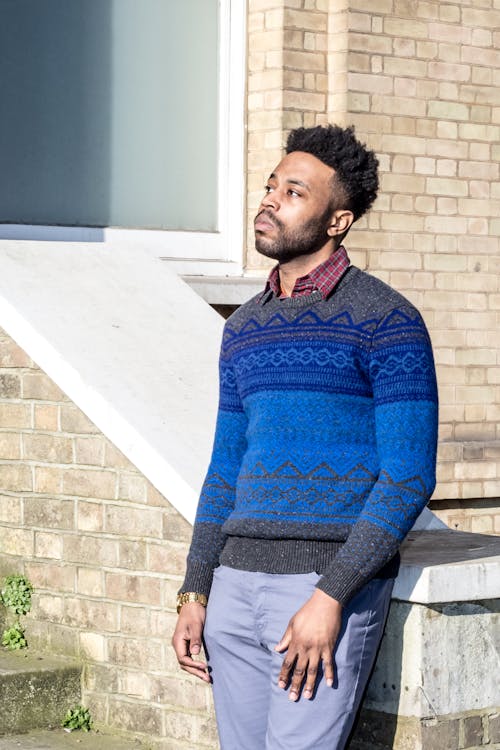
point(278, 555)
point(286, 556)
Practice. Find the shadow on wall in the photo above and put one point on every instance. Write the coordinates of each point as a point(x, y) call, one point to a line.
point(56, 69)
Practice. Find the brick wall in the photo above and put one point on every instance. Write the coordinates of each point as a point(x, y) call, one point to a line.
point(105, 552)
point(420, 81)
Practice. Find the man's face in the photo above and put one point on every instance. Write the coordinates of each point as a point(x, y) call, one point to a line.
point(296, 212)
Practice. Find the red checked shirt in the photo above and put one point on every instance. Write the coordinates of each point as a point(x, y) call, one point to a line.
point(324, 278)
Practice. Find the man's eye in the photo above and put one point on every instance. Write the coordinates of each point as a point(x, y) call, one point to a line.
point(294, 193)
point(267, 189)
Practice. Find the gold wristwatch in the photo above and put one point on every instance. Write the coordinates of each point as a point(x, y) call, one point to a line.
point(190, 596)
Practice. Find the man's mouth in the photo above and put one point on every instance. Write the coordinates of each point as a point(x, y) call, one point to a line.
point(263, 222)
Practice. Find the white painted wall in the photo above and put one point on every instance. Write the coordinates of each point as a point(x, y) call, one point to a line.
point(129, 342)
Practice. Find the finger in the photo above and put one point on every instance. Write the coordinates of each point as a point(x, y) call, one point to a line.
point(299, 674)
point(310, 683)
point(285, 641)
point(202, 674)
point(328, 668)
point(286, 670)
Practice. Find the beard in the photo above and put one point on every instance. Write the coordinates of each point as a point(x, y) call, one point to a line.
point(292, 243)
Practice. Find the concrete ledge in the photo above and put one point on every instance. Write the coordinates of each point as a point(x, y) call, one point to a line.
point(36, 691)
point(448, 566)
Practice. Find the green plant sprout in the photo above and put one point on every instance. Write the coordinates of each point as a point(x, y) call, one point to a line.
point(77, 718)
point(15, 595)
point(13, 638)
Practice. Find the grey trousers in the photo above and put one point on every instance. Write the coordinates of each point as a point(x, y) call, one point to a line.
point(247, 615)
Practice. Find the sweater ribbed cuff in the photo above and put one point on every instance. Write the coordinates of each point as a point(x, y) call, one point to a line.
point(341, 582)
point(198, 578)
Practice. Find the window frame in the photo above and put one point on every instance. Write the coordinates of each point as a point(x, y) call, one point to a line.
point(191, 252)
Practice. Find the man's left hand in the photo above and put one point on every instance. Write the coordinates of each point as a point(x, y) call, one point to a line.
point(309, 639)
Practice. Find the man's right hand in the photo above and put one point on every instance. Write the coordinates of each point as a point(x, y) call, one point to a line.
point(187, 639)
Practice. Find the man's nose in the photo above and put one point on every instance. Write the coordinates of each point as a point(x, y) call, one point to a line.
point(271, 200)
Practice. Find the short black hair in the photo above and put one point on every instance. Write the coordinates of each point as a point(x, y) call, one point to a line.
point(354, 164)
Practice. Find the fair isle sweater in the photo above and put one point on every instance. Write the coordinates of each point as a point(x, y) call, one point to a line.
point(325, 444)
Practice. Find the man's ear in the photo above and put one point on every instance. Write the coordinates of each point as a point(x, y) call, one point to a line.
point(341, 222)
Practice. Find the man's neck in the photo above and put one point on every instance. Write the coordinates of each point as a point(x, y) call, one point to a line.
point(293, 269)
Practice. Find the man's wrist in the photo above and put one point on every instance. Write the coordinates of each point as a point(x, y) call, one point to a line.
point(190, 596)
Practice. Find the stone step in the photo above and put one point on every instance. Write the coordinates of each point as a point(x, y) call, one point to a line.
point(36, 690)
point(58, 739)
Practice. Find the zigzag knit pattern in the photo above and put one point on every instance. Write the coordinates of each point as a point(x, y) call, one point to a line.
point(326, 434)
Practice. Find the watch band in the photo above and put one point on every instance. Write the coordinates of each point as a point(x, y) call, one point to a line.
point(190, 596)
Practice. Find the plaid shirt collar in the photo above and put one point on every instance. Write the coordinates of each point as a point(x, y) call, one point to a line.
point(324, 278)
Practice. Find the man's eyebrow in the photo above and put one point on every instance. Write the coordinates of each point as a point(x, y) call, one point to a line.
point(292, 181)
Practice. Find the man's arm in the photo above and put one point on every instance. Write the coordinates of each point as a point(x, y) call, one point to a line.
point(215, 504)
point(405, 399)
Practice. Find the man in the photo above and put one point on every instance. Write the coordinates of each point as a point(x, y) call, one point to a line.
point(324, 455)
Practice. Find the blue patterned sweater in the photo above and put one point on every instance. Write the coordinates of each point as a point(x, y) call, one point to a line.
point(325, 444)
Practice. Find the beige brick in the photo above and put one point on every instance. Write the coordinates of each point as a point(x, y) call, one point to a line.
point(447, 206)
point(426, 128)
point(47, 448)
point(129, 715)
point(425, 204)
point(49, 512)
point(167, 557)
point(16, 542)
point(447, 33)
point(300, 19)
point(404, 47)
point(10, 445)
point(394, 66)
point(89, 483)
point(15, 477)
point(447, 224)
point(369, 43)
point(15, 415)
point(133, 522)
point(91, 615)
point(135, 620)
point(402, 203)
point(90, 550)
point(402, 27)
point(11, 510)
point(40, 387)
point(90, 516)
point(403, 145)
point(129, 588)
point(424, 9)
point(74, 420)
point(49, 607)
point(48, 545)
point(480, 189)
point(447, 129)
point(135, 652)
point(10, 384)
point(90, 582)
point(48, 480)
point(370, 83)
point(56, 577)
point(403, 183)
point(443, 186)
point(132, 554)
point(402, 222)
point(482, 524)
point(113, 458)
point(449, 71)
point(423, 165)
point(398, 261)
point(479, 132)
point(11, 355)
point(46, 417)
point(304, 100)
point(93, 646)
point(448, 110)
